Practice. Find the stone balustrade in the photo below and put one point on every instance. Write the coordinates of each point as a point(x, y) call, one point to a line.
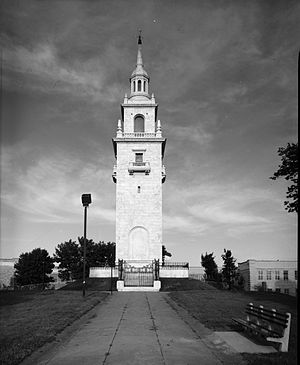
point(139, 167)
point(140, 135)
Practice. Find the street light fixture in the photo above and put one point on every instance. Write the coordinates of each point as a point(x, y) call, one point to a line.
point(86, 199)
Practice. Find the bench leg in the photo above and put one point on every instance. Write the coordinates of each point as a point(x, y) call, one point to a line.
point(283, 346)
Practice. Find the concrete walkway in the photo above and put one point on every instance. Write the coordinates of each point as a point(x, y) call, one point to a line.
point(141, 328)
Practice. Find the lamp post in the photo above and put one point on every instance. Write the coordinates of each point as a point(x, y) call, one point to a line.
point(86, 199)
point(43, 263)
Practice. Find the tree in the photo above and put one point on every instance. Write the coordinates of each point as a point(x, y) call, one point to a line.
point(164, 254)
point(99, 254)
point(34, 267)
point(211, 268)
point(229, 268)
point(289, 170)
point(70, 257)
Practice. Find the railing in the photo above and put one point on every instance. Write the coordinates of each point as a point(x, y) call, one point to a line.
point(175, 265)
point(139, 135)
point(139, 167)
point(121, 269)
point(174, 270)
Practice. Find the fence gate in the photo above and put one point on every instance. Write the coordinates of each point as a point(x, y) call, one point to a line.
point(138, 275)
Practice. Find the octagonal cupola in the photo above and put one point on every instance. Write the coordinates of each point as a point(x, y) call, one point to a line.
point(139, 80)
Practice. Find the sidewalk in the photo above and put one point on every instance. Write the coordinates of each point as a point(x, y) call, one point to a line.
point(141, 328)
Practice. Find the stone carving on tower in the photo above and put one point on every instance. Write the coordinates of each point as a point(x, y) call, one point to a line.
point(139, 171)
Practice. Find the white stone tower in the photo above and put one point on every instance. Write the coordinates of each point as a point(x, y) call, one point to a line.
point(139, 172)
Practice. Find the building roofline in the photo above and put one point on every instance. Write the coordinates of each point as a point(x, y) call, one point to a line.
point(267, 260)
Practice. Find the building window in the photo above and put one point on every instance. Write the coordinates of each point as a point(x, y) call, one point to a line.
point(269, 290)
point(296, 274)
point(139, 189)
point(139, 158)
point(285, 275)
point(286, 291)
point(260, 274)
point(139, 124)
point(277, 290)
point(269, 275)
point(139, 85)
point(277, 275)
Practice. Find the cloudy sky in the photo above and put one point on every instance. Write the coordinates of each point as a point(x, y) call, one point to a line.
point(225, 76)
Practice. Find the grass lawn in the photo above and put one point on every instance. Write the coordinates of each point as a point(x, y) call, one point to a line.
point(95, 284)
point(31, 319)
point(215, 309)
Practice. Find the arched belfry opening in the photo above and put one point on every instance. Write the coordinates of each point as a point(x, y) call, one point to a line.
point(139, 124)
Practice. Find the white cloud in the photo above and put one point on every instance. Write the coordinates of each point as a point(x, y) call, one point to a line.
point(180, 223)
point(207, 206)
point(49, 190)
point(232, 93)
point(195, 133)
point(225, 212)
point(41, 69)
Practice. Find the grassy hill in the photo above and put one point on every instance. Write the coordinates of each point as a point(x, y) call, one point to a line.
point(92, 284)
point(32, 318)
point(167, 284)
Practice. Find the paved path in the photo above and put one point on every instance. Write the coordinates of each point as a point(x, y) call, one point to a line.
point(141, 328)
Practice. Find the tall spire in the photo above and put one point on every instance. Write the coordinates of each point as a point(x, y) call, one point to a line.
point(139, 61)
point(139, 70)
point(140, 37)
point(139, 80)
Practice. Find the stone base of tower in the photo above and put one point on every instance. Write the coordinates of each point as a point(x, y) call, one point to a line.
point(155, 288)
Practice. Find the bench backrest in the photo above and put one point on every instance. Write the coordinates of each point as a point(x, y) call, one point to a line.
point(269, 319)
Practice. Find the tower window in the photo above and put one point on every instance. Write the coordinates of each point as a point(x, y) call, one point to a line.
point(138, 157)
point(144, 86)
point(139, 85)
point(133, 86)
point(139, 189)
point(139, 124)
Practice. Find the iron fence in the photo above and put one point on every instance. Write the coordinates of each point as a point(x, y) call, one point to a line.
point(175, 265)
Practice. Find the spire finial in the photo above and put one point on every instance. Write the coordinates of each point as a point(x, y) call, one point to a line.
point(140, 37)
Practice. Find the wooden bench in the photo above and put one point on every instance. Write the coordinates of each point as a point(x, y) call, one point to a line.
point(269, 323)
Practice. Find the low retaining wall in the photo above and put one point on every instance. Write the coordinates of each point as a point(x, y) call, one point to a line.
point(103, 272)
point(173, 273)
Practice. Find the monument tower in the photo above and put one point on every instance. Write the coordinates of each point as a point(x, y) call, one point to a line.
point(139, 171)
